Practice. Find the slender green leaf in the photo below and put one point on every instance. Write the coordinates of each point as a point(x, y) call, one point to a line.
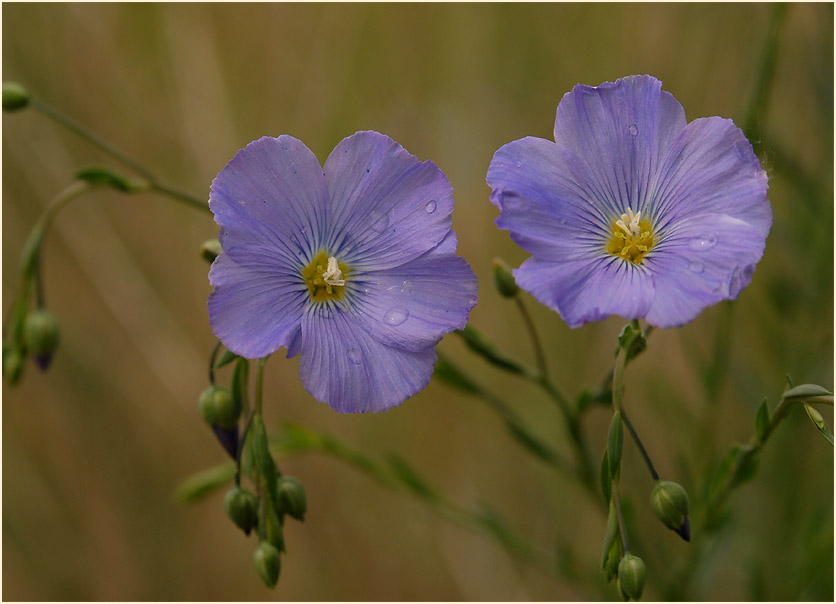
point(807, 390)
point(453, 377)
point(203, 483)
point(606, 477)
point(226, 358)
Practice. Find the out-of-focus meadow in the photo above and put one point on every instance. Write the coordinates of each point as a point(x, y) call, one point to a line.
point(94, 449)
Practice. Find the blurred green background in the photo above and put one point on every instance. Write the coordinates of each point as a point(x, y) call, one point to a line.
point(93, 450)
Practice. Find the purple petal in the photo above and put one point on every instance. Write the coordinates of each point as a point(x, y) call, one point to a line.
point(255, 309)
point(345, 367)
point(588, 290)
point(387, 208)
point(548, 213)
point(700, 262)
point(413, 305)
point(711, 168)
point(272, 194)
point(621, 131)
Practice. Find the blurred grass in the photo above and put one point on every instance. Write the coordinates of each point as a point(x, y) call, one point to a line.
point(93, 451)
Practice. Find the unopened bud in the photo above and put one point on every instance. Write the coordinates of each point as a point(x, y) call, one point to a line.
point(504, 279)
point(217, 407)
point(12, 365)
point(669, 502)
point(292, 499)
point(267, 563)
point(14, 96)
point(242, 508)
point(631, 575)
point(210, 249)
point(41, 334)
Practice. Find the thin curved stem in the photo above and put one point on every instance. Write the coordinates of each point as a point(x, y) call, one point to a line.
point(155, 184)
point(532, 332)
point(212, 358)
point(639, 444)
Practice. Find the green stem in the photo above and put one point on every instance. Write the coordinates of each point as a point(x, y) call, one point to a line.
point(241, 442)
point(618, 379)
point(532, 333)
point(639, 444)
point(119, 156)
point(622, 528)
point(259, 379)
point(81, 131)
point(212, 358)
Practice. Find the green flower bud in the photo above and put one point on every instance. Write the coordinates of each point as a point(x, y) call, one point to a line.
point(669, 502)
point(40, 332)
point(12, 365)
point(14, 96)
point(217, 407)
point(631, 574)
point(210, 249)
point(504, 279)
point(267, 563)
point(242, 508)
point(292, 499)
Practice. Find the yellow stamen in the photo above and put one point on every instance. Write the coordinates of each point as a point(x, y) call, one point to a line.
point(325, 278)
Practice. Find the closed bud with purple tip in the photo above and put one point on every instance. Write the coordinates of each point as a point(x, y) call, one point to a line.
point(217, 408)
point(242, 508)
point(669, 502)
point(267, 563)
point(41, 335)
point(292, 499)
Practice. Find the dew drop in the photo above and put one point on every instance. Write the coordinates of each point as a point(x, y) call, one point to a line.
point(632, 130)
point(562, 221)
point(703, 244)
point(355, 356)
point(696, 267)
point(430, 207)
point(304, 230)
point(396, 315)
point(293, 238)
point(407, 287)
point(471, 302)
point(379, 221)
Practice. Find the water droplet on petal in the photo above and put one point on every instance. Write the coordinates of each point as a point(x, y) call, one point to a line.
point(379, 221)
point(407, 287)
point(471, 302)
point(355, 356)
point(430, 207)
point(562, 221)
point(396, 315)
point(293, 238)
point(695, 267)
point(304, 230)
point(632, 130)
point(703, 244)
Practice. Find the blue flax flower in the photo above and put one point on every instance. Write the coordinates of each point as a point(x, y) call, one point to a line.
point(632, 211)
point(353, 265)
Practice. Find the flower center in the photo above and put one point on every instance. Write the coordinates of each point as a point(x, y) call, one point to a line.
point(325, 278)
point(632, 237)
